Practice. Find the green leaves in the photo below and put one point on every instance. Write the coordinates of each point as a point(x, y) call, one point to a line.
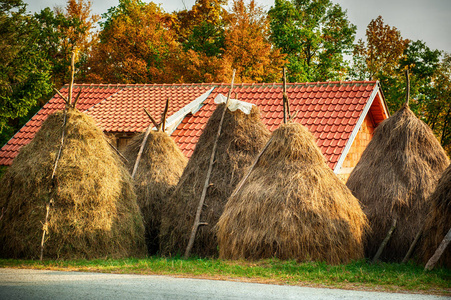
point(315, 35)
point(24, 71)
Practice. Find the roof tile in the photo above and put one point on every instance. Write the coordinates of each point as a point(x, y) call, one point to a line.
point(329, 110)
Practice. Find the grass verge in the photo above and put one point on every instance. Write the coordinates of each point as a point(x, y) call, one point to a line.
point(358, 275)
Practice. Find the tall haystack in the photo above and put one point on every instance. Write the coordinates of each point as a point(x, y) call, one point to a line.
point(438, 221)
point(94, 212)
point(397, 172)
point(292, 206)
point(160, 167)
point(241, 138)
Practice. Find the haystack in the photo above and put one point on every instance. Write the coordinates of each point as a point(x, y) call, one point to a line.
point(397, 172)
point(240, 141)
point(438, 221)
point(292, 206)
point(160, 167)
point(94, 215)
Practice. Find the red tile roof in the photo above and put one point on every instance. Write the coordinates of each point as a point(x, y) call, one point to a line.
point(91, 95)
point(329, 110)
point(116, 108)
point(124, 111)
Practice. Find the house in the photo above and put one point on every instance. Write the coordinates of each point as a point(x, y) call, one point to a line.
point(341, 115)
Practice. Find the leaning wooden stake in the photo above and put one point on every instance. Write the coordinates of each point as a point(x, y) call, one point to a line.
point(240, 185)
point(438, 253)
point(45, 225)
point(197, 221)
point(385, 241)
point(412, 246)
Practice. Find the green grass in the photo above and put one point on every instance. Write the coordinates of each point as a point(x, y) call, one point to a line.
point(357, 275)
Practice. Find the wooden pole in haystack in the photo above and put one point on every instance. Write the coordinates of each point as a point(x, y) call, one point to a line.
point(163, 116)
point(71, 84)
point(286, 103)
point(69, 103)
point(385, 241)
point(243, 181)
point(438, 253)
point(159, 127)
point(412, 246)
point(197, 221)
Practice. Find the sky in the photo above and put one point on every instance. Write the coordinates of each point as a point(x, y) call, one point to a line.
point(426, 20)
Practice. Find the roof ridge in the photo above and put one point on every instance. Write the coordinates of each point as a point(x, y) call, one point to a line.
point(224, 84)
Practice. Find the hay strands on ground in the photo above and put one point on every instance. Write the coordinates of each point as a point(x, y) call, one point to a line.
point(438, 253)
point(161, 126)
point(69, 104)
point(197, 221)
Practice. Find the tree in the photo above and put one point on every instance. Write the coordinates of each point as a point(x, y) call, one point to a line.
point(201, 28)
point(64, 32)
point(136, 45)
point(382, 52)
point(200, 32)
point(380, 59)
point(247, 45)
point(24, 71)
point(315, 35)
point(437, 111)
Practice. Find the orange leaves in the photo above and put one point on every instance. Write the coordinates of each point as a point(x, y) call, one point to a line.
point(140, 43)
point(79, 36)
point(247, 44)
point(136, 46)
point(385, 47)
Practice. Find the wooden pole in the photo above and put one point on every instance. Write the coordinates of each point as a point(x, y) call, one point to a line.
point(163, 116)
point(385, 241)
point(407, 88)
point(438, 253)
point(72, 73)
point(240, 185)
point(197, 222)
point(61, 145)
point(284, 99)
point(151, 119)
point(138, 158)
point(412, 246)
point(61, 95)
point(117, 151)
point(45, 226)
point(76, 99)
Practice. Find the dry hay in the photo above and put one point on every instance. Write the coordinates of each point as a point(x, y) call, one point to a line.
point(292, 206)
point(160, 167)
point(95, 214)
point(240, 141)
point(393, 179)
point(438, 222)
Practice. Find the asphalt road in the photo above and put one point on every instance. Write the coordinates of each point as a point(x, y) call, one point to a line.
point(41, 284)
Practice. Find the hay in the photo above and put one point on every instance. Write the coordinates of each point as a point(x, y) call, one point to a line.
point(292, 206)
point(95, 214)
point(393, 179)
point(438, 221)
point(240, 141)
point(161, 165)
